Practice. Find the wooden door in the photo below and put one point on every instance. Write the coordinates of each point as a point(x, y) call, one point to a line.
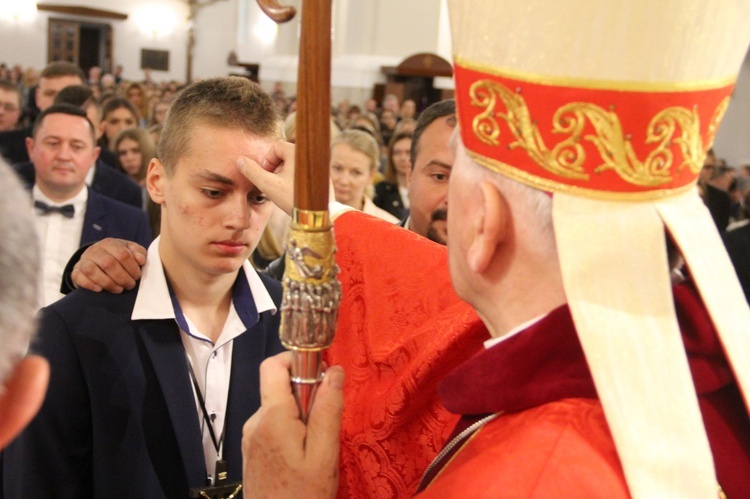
point(83, 43)
point(63, 40)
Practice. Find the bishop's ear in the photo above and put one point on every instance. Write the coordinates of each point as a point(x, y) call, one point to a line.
point(490, 226)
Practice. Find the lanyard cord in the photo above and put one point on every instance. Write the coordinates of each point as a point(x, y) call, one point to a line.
point(217, 443)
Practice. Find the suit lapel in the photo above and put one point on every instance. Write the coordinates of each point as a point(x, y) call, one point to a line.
point(93, 220)
point(162, 341)
point(248, 352)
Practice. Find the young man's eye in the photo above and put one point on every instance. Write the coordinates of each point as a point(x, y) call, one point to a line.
point(440, 177)
point(211, 193)
point(258, 199)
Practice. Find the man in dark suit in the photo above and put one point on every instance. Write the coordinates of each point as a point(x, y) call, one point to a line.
point(67, 213)
point(150, 388)
point(104, 179)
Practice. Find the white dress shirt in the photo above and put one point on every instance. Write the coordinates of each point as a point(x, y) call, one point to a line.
point(211, 362)
point(59, 238)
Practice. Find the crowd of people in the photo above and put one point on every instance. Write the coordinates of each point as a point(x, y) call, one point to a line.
point(128, 117)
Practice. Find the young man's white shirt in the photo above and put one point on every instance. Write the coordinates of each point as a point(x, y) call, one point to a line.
point(211, 363)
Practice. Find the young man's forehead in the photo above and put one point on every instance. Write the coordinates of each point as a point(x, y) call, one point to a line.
point(201, 130)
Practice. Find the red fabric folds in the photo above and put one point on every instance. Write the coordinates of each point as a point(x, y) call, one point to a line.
point(401, 329)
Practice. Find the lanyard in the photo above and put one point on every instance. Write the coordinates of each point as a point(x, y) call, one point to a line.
point(209, 422)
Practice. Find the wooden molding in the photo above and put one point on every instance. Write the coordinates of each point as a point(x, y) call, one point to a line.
point(77, 10)
point(424, 64)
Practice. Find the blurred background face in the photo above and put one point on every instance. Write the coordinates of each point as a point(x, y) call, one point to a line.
point(351, 173)
point(388, 119)
point(118, 120)
point(160, 112)
point(49, 87)
point(400, 157)
point(135, 96)
point(10, 109)
point(130, 157)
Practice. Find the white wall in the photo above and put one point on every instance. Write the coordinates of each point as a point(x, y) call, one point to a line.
point(367, 34)
point(733, 138)
point(216, 36)
point(151, 24)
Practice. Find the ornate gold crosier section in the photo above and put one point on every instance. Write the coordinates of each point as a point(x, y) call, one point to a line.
point(309, 307)
point(673, 126)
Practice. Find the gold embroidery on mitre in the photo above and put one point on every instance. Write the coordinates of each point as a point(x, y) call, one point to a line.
point(567, 157)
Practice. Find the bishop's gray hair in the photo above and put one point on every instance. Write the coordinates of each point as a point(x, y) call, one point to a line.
point(19, 264)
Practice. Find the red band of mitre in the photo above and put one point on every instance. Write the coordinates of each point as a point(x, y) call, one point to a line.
point(591, 138)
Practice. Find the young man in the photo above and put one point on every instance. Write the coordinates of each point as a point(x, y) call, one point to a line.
point(150, 388)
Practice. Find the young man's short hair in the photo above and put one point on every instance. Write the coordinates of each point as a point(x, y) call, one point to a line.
point(228, 102)
point(63, 68)
point(63, 109)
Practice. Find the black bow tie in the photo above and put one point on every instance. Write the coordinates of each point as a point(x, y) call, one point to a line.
point(67, 211)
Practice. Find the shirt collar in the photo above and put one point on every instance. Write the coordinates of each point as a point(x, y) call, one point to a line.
point(78, 201)
point(514, 331)
point(153, 301)
point(90, 174)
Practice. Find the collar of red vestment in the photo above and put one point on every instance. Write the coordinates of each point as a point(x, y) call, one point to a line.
point(546, 363)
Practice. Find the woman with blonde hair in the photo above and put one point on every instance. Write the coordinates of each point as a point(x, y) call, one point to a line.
point(354, 161)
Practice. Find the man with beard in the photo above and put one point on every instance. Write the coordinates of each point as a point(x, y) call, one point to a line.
point(430, 171)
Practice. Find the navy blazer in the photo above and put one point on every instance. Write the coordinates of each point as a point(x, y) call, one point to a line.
point(107, 181)
point(119, 418)
point(107, 217)
point(104, 218)
point(13, 145)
